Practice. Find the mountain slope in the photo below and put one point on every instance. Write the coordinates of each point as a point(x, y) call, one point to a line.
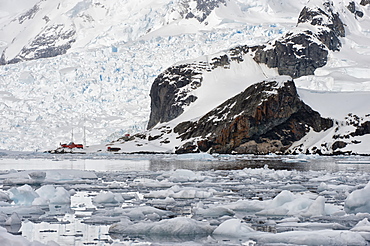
point(106, 90)
point(175, 93)
point(102, 83)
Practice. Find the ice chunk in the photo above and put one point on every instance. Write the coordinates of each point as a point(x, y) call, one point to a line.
point(9, 239)
point(233, 228)
point(4, 197)
point(107, 197)
point(283, 197)
point(363, 227)
point(358, 201)
point(57, 195)
point(179, 226)
point(23, 195)
point(319, 237)
point(183, 193)
point(317, 208)
point(213, 212)
point(37, 175)
point(183, 175)
point(13, 219)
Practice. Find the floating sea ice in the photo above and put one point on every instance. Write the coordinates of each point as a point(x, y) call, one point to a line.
point(212, 212)
point(53, 195)
point(318, 237)
point(4, 197)
point(275, 207)
point(181, 192)
point(183, 175)
point(15, 240)
point(363, 225)
point(317, 208)
point(176, 227)
point(107, 197)
point(145, 182)
point(358, 201)
point(13, 219)
point(247, 205)
point(233, 228)
point(142, 212)
point(23, 195)
point(162, 202)
point(37, 175)
point(61, 196)
point(3, 218)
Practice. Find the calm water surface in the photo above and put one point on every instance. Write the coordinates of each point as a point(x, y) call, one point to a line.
point(191, 162)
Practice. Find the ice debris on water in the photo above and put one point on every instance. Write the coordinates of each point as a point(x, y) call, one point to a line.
point(255, 205)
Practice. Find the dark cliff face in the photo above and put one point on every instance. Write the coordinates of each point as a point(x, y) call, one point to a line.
point(266, 117)
point(171, 91)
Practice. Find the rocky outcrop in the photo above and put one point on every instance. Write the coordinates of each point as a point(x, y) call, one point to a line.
point(171, 91)
point(365, 2)
point(330, 26)
point(353, 9)
point(202, 10)
point(266, 117)
point(301, 53)
point(53, 41)
point(298, 53)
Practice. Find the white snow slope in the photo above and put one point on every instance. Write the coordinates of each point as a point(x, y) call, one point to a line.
point(101, 86)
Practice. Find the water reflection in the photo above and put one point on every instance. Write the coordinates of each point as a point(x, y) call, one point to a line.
point(172, 162)
point(329, 164)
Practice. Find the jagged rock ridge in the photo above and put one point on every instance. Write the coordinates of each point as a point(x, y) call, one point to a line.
point(301, 53)
point(266, 117)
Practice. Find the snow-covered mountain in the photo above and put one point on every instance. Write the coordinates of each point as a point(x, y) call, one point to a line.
point(110, 52)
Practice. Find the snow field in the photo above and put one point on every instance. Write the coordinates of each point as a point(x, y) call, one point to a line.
point(225, 207)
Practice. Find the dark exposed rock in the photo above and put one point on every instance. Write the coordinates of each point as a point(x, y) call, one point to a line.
point(338, 145)
point(295, 55)
point(53, 41)
point(187, 148)
point(171, 91)
point(203, 9)
point(365, 2)
point(363, 129)
point(266, 117)
point(352, 8)
point(29, 14)
point(300, 54)
point(334, 25)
